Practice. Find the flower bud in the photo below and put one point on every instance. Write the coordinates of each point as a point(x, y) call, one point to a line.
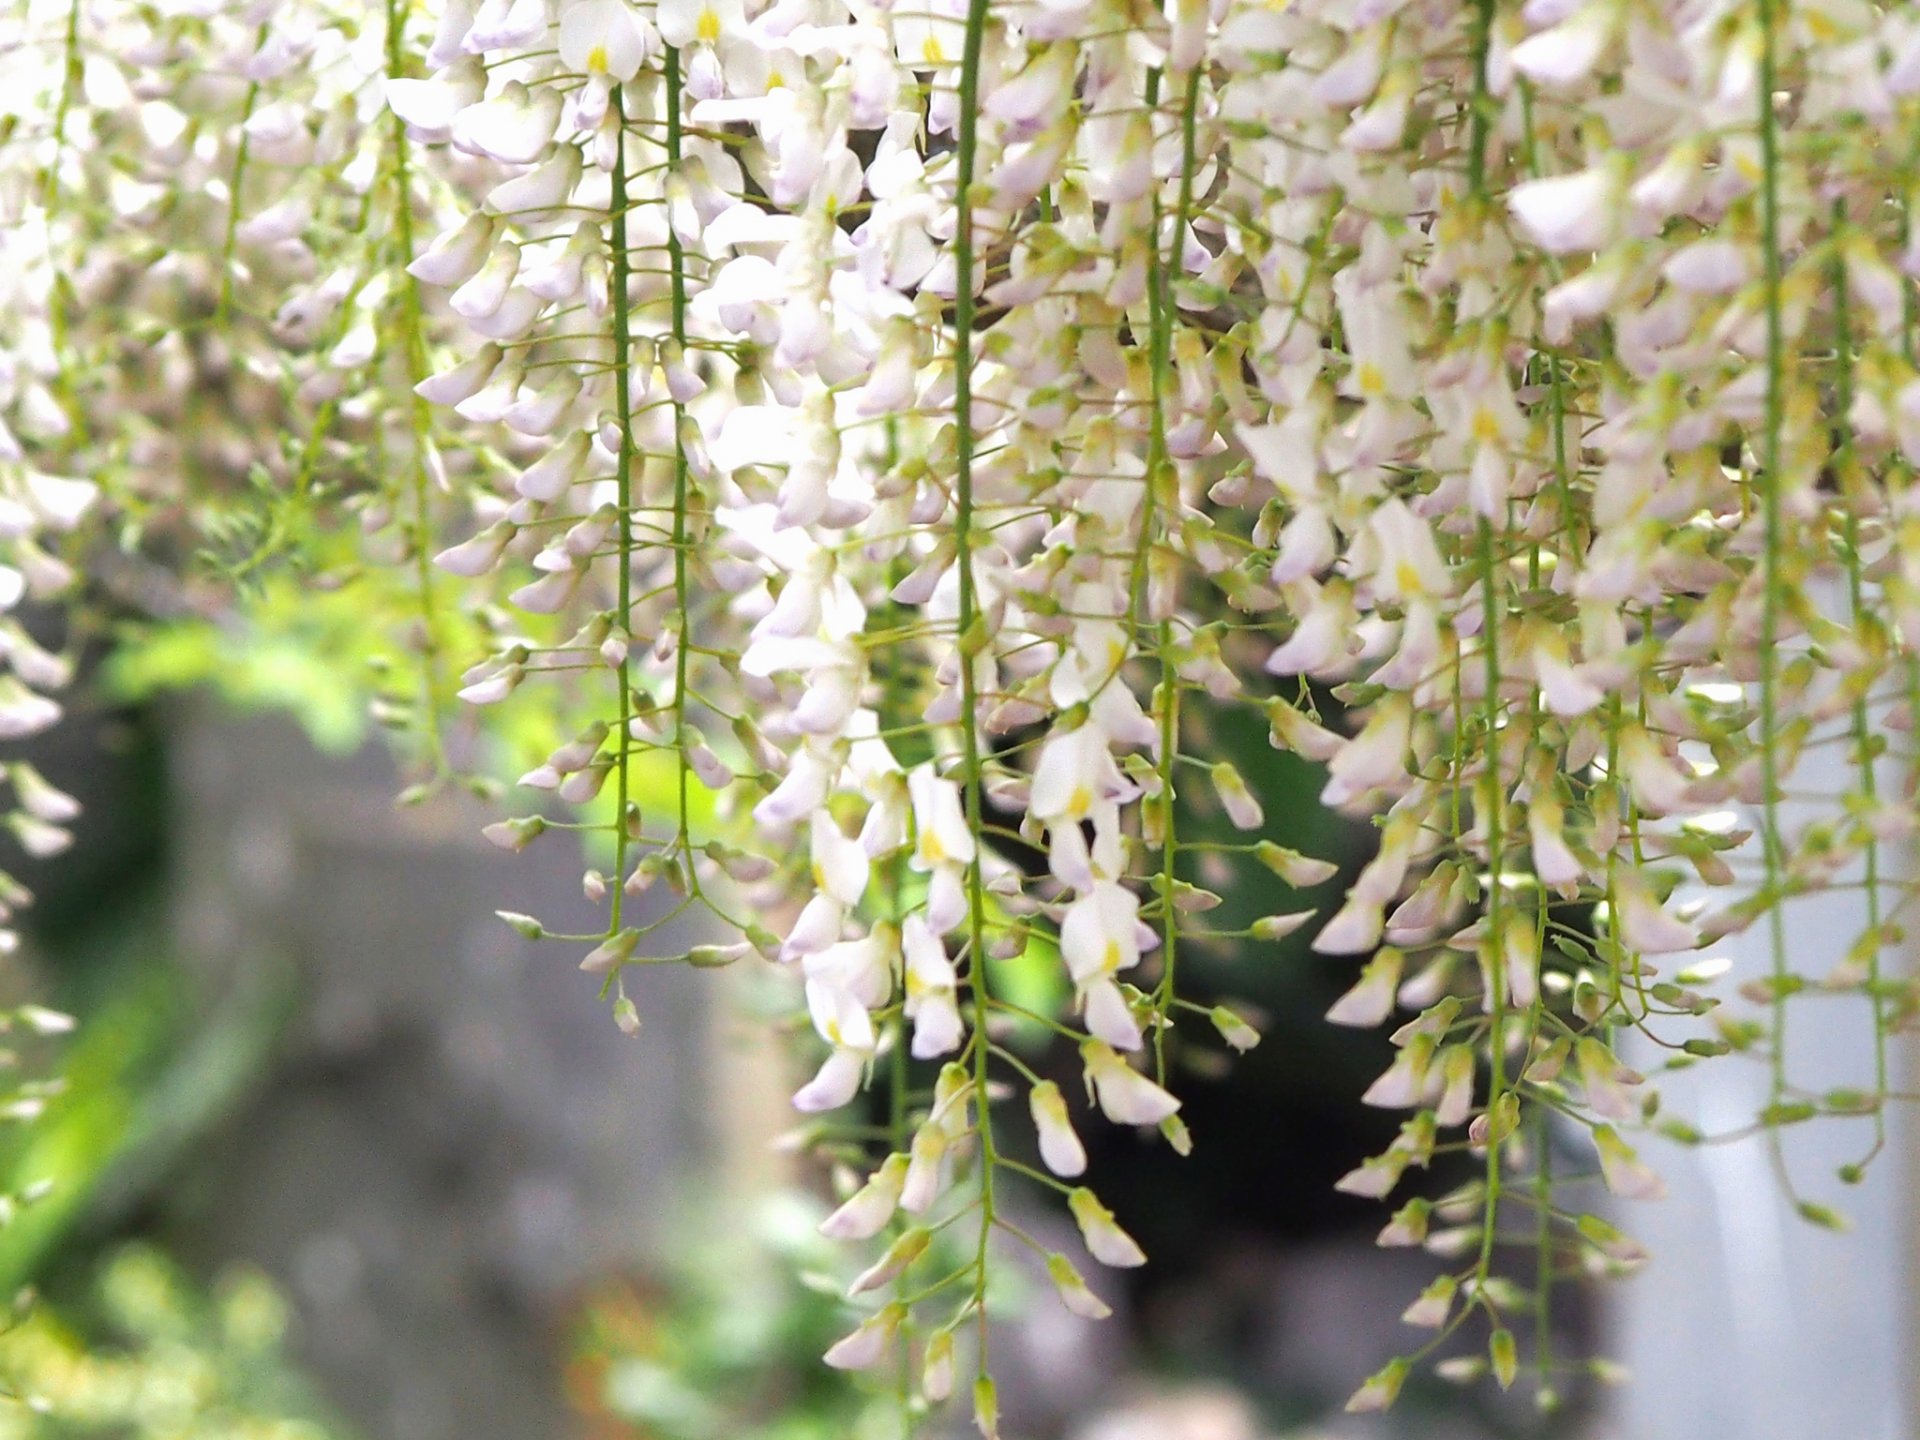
point(899, 1255)
point(866, 1214)
point(515, 835)
point(1073, 1290)
point(986, 1408)
point(1242, 808)
point(610, 954)
point(865, 1346)
point(1104, 1238)
point(1235, 1031)
point(523, 925)
point(1060, 1147)
point(936, 1371)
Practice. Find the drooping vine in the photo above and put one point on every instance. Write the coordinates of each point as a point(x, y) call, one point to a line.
point(879, 448)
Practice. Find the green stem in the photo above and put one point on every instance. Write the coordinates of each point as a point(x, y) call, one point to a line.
point(1491, 610)
point(677, 262)
point(1160, 487)
point(1773, 523)
point(1862, 727)
point(623, 404)
point(237, 178)
point(71, 75)
point(414, 360)
point(969, 642)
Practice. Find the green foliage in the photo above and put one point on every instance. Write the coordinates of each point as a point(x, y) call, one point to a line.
point(145, 1355)
point(145, 1074)
point(731, 1351)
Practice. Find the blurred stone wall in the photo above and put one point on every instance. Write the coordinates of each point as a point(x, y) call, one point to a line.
point(452, 1139)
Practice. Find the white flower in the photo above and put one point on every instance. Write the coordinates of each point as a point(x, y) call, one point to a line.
point(1075, 772)
point(699, 22)
point(893, 1263)
point(930, 986)
point(1430, 1311)
point(1520, 965)
point(40, 798)
point(929, 35)
point(1373, 1179)
point(515, 127)
point(1622, 1170)
point(1707, 267)
point(451, 259)
point(507, 25)
point(1238, 801)
point(1124, 1095)
point(1370, 1001)
point(1099, 933)
point(941, 836)
point(543, 188)
point(817, 927)
point(486, 290)
point(1641, 922)
point(1659, 787)
point(1374, 758)
point(1060, 1147)
point(866, 1213)
point(1307, 547)
point(1104, 1238)
point(429, 106)
point(1604, 1080)
point(840, 866)
point(1235, 1031)
point(1109, 1017)
point(1456, 1096)
point(1403, 1084)
point(1073, 1291)
point(834, 1084)
point(1410, 566)
point(1565, 54)
point(39, 839)
point(1567, 214)
point(602, 38)
point(926, 1166)
point(1553, 859)
point(842, 1021)
point(862, 968)
point(804, 790)
point(868, 1344)
point(58, 502)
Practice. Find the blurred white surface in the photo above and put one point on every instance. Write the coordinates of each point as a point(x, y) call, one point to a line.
point(1750, 1323)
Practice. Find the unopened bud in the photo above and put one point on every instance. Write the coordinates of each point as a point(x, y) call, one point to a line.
point(524, 925)
point(626, 1015)
point(515, 835)
point(611, 953)
point(715, 957)
point(986, 1408)
point(1235, 1031)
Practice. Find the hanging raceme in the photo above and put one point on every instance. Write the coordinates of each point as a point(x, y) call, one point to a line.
point(917, 427)
point(1085, 262)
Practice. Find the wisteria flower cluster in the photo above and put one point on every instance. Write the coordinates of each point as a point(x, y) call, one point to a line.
point(910, 424)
